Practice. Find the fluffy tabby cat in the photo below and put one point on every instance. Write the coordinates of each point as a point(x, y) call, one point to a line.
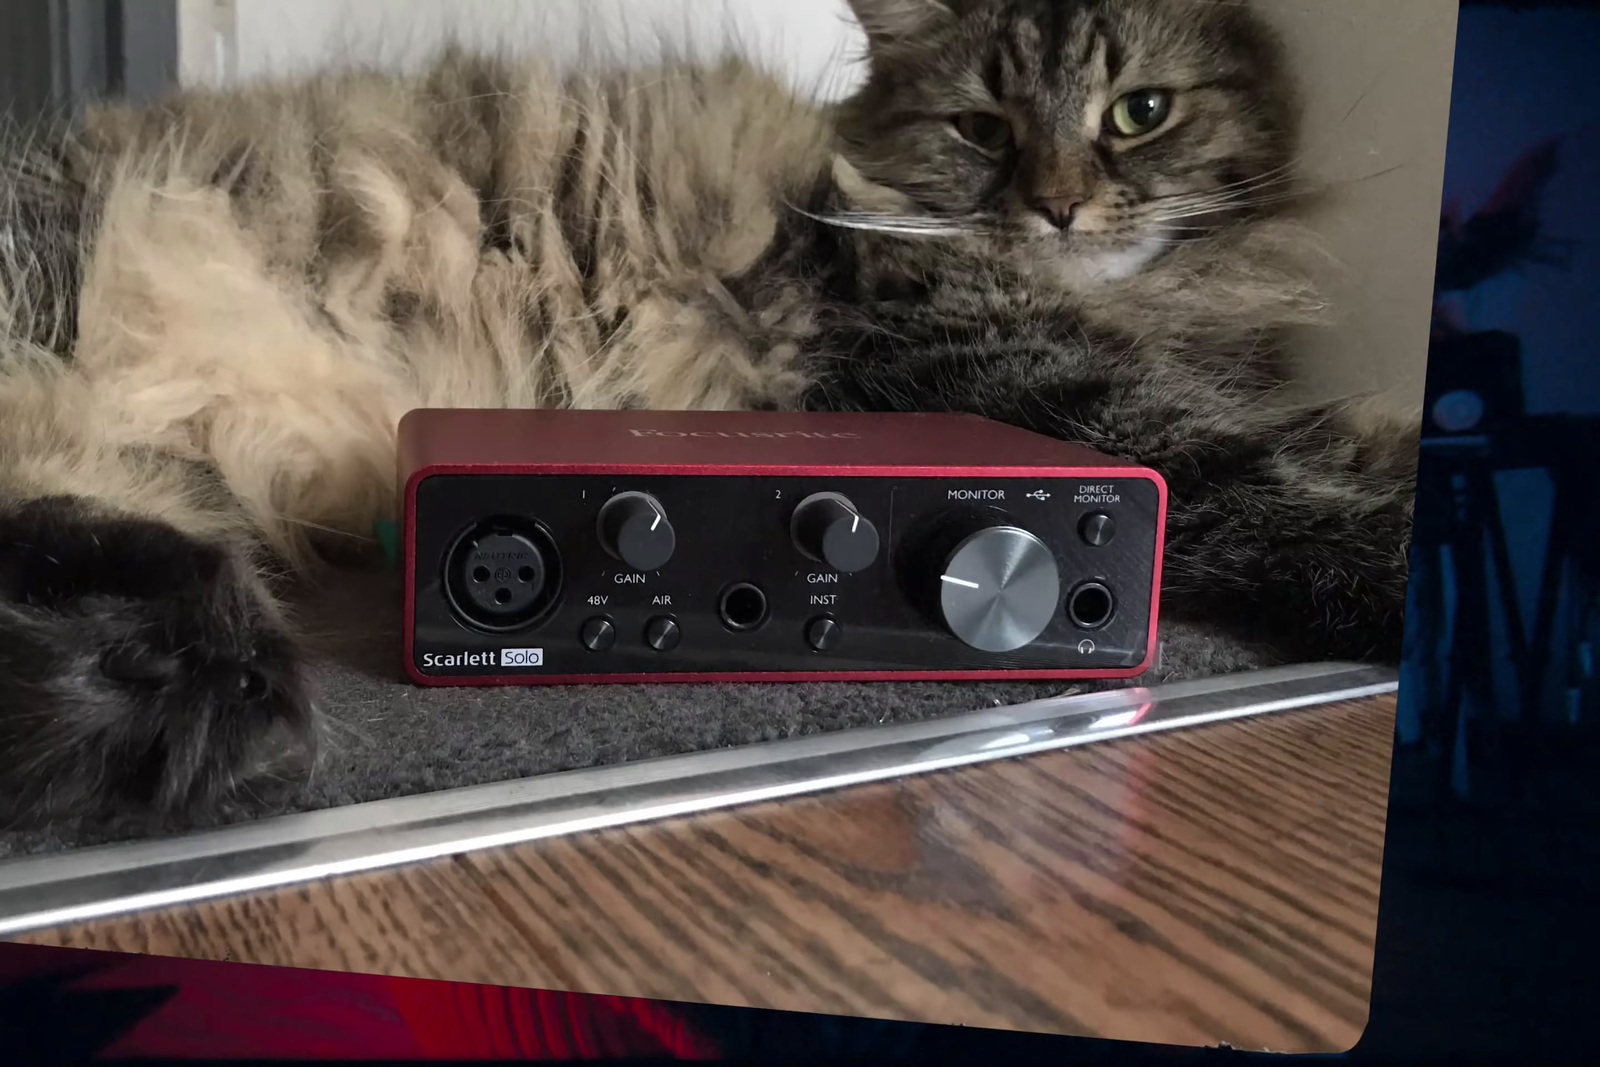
point(1066, 214)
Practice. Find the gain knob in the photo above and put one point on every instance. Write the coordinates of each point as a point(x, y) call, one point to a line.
point(634, 529)
point(826, 527)
point(999, 587)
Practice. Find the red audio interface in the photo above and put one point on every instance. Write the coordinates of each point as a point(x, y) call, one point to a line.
point(559, 546)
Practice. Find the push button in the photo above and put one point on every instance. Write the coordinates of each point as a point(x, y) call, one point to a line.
point(598, 634)
point(662, 633)
point(1097, 530)
point(823, 634)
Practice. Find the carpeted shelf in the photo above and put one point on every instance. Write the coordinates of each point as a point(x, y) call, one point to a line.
point(389, 738)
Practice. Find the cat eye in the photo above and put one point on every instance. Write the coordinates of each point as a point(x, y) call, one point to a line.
point(984, 131)
point(1140, 111)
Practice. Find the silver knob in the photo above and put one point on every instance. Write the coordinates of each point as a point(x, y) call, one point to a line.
point(999, 589)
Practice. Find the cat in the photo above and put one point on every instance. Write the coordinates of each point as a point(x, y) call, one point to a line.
point(1077, 216)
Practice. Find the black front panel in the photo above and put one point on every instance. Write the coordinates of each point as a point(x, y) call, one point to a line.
point(736, 532)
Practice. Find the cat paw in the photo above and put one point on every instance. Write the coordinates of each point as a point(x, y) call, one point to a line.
point(142, 671)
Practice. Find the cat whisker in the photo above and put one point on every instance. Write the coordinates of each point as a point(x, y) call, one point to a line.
point(1239, 194)
point(1210, 203)
point(1222, 197)
point(1229, 205)
point(1223, 192)
point(1280, 175)
point(1173, 242)
point(899, 225)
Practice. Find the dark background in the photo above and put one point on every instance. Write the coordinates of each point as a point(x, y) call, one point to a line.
point(54, 54)
point(1486, 932)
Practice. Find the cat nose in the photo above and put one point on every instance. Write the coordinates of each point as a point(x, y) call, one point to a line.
point(1060, 210)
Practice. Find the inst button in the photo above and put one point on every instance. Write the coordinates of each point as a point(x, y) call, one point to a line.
point(823, 634)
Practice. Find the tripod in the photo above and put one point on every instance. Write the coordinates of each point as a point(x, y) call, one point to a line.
point(1460, 532)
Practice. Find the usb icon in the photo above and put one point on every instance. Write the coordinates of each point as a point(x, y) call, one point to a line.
point(1039, 495)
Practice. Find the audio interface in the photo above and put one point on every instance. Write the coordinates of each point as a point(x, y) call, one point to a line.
point(562, 546)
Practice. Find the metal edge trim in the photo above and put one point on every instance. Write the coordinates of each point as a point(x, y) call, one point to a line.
point(372, 836)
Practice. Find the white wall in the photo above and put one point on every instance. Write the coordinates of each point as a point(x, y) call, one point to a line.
point(1378, 73)
point(809, 38)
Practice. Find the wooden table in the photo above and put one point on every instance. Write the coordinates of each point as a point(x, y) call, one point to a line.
point(1209, 885)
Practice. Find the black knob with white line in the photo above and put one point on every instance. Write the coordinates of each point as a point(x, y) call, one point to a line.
point(634, 528)
point(999, 588)
point(826, 527)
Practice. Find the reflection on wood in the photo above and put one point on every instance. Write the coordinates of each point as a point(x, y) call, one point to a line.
point(1215, 884)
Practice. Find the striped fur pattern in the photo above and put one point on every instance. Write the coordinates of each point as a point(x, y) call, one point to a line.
point(214, 310)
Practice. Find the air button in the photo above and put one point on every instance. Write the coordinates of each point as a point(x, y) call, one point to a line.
point(662, 633)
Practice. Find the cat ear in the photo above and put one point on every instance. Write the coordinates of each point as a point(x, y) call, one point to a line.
point(889, 21)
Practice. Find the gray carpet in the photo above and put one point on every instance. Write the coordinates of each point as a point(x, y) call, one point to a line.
point(388, 738)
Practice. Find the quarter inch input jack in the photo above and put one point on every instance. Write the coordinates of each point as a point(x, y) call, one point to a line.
point(742, 607)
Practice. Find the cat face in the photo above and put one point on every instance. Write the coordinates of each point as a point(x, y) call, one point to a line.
point(1087, 136)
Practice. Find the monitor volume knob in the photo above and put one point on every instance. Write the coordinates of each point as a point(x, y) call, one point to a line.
point(826, 527)
point(634, 528)
point(999, 588)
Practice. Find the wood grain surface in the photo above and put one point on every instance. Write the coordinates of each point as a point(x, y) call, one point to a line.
point(1209, 885)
